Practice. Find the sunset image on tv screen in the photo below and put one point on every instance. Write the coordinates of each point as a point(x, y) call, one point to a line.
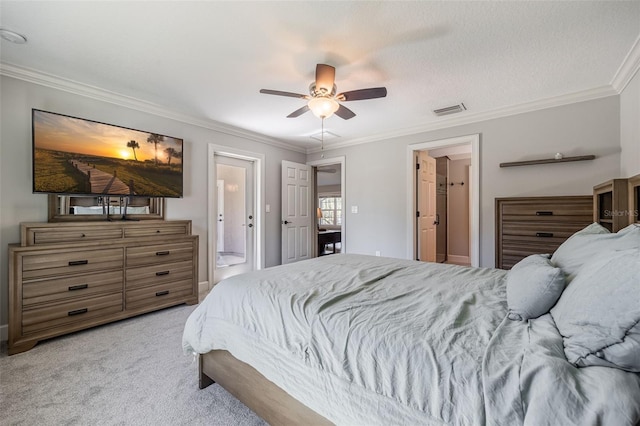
point(77, 156)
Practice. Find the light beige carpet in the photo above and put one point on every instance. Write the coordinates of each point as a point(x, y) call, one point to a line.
point(132, 372)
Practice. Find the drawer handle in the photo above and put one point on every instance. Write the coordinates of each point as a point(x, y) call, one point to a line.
point(77, 312)
point(158, 274)
point(162, 253)
point(162, 293)
point(78, 262)
point(544, 234)
point(78, 287)
point(157, 231)
point(544, 213)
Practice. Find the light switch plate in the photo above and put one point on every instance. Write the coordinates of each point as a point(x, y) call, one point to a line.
point(354, 209)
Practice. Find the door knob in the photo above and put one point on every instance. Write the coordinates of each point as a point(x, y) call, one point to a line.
point(285, 222)
point(250, 225)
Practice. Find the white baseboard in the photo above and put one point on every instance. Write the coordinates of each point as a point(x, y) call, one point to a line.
point(458, 260)
point(203, 289)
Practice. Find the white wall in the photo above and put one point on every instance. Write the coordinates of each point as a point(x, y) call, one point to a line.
point(630, 128)
point(18, 204)
point(376, 175)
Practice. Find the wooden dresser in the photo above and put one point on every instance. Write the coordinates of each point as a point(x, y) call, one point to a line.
point(532, 225)
point(65, 277)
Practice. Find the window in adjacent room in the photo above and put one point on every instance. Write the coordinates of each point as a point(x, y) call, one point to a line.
point(331, 210)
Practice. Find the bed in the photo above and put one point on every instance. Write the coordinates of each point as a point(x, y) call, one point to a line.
point(353, 339)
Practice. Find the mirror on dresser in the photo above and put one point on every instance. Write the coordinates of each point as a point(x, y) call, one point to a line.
point(64, 208)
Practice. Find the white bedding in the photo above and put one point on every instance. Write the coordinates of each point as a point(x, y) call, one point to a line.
point(368, 340)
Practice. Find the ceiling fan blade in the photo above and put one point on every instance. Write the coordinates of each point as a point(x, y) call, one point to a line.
point(362, 94)
point(298, 112)
point(325, 77)
point(344, 112)
point(281, 93)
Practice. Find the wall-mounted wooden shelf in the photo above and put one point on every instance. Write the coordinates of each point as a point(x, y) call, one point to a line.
point(548, 161)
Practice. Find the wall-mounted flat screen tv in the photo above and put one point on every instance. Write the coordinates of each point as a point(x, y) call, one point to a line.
point(75, 156)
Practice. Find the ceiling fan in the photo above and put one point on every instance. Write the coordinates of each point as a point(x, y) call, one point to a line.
point(322, 97)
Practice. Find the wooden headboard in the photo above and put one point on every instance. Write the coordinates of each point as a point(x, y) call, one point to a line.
point(634, 199)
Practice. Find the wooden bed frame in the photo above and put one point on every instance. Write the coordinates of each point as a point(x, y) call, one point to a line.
point(272, 403)
point(254, 390)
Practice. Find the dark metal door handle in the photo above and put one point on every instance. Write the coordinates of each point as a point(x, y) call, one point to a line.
point(250, 225)
point(285, 222)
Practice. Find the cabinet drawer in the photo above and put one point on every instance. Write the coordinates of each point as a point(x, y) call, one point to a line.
point(70, 235)
point(67, 288)
point(160, 253)
point(526, 248)
point(71, 262)
point(156, 274)
point(72, 312)
point(544, 210)
point(150, 231)
point(542, 229)
point(159, 294)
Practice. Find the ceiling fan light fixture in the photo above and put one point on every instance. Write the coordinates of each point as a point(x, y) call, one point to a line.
point(323, 107)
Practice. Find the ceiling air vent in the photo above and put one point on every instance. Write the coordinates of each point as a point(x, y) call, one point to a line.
point(450, 109)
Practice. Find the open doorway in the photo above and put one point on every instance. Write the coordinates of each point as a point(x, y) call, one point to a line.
point(329, 206)
point(443, 195)
point(235, 218)
point(444, 201)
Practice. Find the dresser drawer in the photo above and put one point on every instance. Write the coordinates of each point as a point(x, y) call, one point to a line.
point(70, 234)
point(533, 225)
point(564, 210)
point(71, 312)
point(159, 294)
point(157, 274)
point(540, 230)
point(70, 262)
point(67, 288)
point(160, 253)
point(160, 230)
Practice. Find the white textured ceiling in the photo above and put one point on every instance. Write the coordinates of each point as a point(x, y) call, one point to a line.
point(208, 60)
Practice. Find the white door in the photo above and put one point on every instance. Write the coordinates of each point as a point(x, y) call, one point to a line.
point(297, 205)
point(426, 207)
point(235, 243)
point(220, 217)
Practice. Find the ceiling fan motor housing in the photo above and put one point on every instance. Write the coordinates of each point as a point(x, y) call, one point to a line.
point(321, 91)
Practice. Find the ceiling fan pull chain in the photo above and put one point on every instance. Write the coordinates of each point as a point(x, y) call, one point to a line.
point(322, 139)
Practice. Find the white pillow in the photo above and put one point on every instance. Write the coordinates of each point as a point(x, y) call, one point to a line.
point(598, 314)
point(585, 245)
point(533, 287)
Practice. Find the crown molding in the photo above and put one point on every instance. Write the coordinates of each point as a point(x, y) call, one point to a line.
point(629, 67)
point(469, 117)
point(70, 86)
point(624, 74)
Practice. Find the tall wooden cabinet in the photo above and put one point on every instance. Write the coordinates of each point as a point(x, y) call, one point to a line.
point(533, 225)
point(65, 277)
point(610, 204)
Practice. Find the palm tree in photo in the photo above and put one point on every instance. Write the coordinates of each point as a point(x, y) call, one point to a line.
point(170, 153)
point(133, 145)
point(155, 139)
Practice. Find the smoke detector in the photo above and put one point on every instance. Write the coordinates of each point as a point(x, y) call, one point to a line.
point(450, 109)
